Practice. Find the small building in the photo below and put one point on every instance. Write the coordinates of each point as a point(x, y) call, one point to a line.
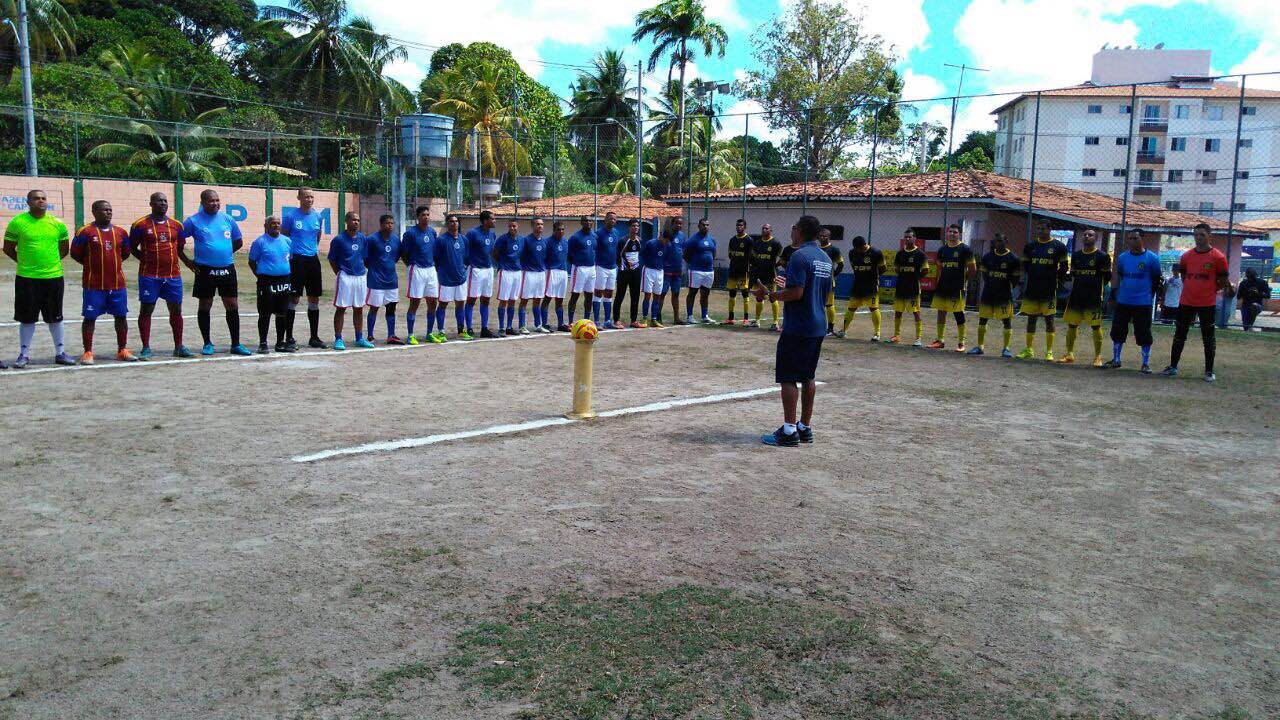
point(651, 212)
point(982, 203)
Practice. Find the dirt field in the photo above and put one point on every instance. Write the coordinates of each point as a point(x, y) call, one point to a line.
point(1099, 542)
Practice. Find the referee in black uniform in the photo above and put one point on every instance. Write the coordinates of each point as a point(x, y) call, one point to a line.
point(804, 325)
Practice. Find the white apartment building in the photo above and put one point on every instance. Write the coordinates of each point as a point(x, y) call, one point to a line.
point(1170, 142)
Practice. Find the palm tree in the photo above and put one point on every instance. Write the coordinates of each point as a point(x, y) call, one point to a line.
point(50, 28)
point(392, 97)
point(603, 92)
point(187, 150)
point(472, 94)
point(678, 28)
point(135, 68)
point(621, 166)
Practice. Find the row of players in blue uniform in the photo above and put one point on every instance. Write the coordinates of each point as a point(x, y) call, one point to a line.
point(522, 271)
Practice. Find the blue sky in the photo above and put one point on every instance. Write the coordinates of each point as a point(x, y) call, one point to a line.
point(1026, 44)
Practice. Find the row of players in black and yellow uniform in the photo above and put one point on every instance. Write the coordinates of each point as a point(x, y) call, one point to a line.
point(1046, 265)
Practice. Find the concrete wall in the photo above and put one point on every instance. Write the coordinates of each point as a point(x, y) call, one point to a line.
point(1120, 65)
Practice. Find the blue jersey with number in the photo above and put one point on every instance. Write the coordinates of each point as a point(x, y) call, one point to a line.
point(303, 230)
point(607, 246)
point(582, 248)
point(509, 247)
point(533, 257)
point(700, 251)
point(271, 254)
point(480, 244)
point(419, 246)
point(653, 254)
point(558, 253)
point(381, 254)
point(674, 258)
point(1138, 274)
point(451, 259)
point(348, 252)
point(213, 236)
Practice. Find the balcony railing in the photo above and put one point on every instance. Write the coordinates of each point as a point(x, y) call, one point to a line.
point(1154, 124)
point(1147, 189)
point(1152, 157)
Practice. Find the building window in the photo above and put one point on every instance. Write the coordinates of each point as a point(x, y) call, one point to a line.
point(1206, 207)
point(1126, 109)
point(1238, 207)
point(1119, 172)
point(1212, 145)
point(1242, 174)
point(1213, 112)
point(1177, 144)
point(1089, 172)
point(1151, 112)
point(1172, 205)
point(1182, 112)
point(1091, 140)
point(1175, 176)
point(1208, 177)
point(1245, 142)
point(1146, 178)
point(1249, 110)
point(1122, 141)
point(1095, 109)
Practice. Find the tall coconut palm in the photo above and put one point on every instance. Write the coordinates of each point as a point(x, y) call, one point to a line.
point(471, 93)
point(601, 93)
point(187, 150)
point(50, 29)
point(135, 69)
point(391, 96)
point(679, 28)
point(620, 169)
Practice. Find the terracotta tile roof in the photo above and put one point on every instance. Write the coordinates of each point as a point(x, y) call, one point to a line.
point(626, 206)
point(1161, 90)
point(1271, 224)
point(976, 185)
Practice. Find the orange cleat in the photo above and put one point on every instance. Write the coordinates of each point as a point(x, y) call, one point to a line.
point(936, 345)
point(87, 358)
point(895, 339)
point(126, 356)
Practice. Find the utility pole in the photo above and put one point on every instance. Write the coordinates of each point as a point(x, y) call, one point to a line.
point(640, 137)
point(28, 111)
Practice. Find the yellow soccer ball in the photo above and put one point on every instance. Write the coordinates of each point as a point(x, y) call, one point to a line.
point(584, 329)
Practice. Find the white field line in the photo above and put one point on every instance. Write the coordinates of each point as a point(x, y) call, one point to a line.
point(131, 317)
point(388, 445)
point(454, 344)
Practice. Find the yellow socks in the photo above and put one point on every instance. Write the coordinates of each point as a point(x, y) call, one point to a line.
point(942, 327)
point(875, 320)
point(831, 314)
point(1008, 338)
point(777, 311)
point(1031, 339)
point(982, 335)
point(960, 333)
point(759, 309)
point(897, 324)
point(848, 319)
point(1071, 339)
point(1049, 337)
point(1097, 342)
point(744, 305)
point(919, 328)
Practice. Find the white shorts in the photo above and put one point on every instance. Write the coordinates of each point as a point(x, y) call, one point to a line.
point(651, 281)
point(423, 282)
point(453, 293)
point(480, 282)
point(509, 284)
point(557, 283)
point(701, 279)
point(379, 298)
point(606, 278)
point(350, 291)
point(535, 285)
point(582, 279)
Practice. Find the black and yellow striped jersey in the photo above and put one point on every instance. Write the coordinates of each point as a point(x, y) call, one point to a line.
point(867, 267)
point(837, 259)
point(910, 266)
point(953, 262)
point(1090, 273)
point(740, 255)
point(1045, 263)
point(999, 275)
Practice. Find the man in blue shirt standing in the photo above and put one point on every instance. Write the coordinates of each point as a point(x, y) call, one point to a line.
point(418, 248)
point(652, 261)
point(347, 252)
point(607, 240)
point(673, 268)
point(269, 258)
point(451, 268)
point(700, 252)
point(507, 252)
point(582, 266)
point(804, 325)
point(1137, 279)
point(382, 252)
point(533, 276)
point(216, 238)
point(302, 225)
point(480, 242)
point(557, 275)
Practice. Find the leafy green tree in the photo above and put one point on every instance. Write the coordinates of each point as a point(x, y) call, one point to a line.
point(824, 77)
point(472, 95)
point(678, 29)
point(984, 141)
point(49, 28)
point(765, 164)
point(620, 169)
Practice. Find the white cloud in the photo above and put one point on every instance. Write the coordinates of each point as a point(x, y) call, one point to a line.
point(407, 72)
point(1265, 58)
point(736, 123)
point(902, 23)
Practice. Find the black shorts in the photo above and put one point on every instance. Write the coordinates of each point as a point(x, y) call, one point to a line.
point(797, 359)
point(306, 276)
point(34, 298)
point(274, 293)
point(766, 277)
point(220, 281)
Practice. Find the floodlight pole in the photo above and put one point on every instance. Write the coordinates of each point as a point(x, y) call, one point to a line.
point(640, 138)
point(28, 109)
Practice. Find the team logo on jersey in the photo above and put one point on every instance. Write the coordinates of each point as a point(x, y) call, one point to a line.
point(226, 234)
point(297, 224)
point(1141, 265)
point(106, 244)
point(355, 246)
point(387, 249)
point(1208, 266)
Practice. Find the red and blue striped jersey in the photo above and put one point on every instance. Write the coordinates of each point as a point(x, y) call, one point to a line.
point(155, 243)
point(101, 250)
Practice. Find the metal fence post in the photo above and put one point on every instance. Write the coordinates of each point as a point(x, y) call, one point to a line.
point(808, 149)
point(1235, 169)
point(688, 198)
point(1128, 164)
point(1035, 146)
point(555, 166)
point(480, 168)
point(270, 198)
point(946, 191)
point(871, 195)
point(746, 150)
point(76, 141)
point(595, 172)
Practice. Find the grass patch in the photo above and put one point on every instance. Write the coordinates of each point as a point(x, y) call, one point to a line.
point(692, 652)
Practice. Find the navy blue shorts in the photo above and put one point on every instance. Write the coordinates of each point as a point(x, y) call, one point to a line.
point(797, 358)
point(672, 282)
point(109, 302)
point(152, 290)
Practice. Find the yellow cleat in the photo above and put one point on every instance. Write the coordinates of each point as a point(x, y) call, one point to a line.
point(1097, 361)
point(1026, 354)
point(1048, 356)
point(1068, 359)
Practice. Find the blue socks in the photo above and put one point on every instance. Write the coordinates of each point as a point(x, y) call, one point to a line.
point(370, 321)
point(410, 319)
point(559, 315)
point(391, 322)
point(538, 319)
point(431, 323)
point(644, 308)
point(608, 310)
point(469, 311)
point(484, 316)
point(1115, 351)
point(595, 311)
point(440, 317)
point(1146, 354)
point(460, 317)
point(522, 315)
